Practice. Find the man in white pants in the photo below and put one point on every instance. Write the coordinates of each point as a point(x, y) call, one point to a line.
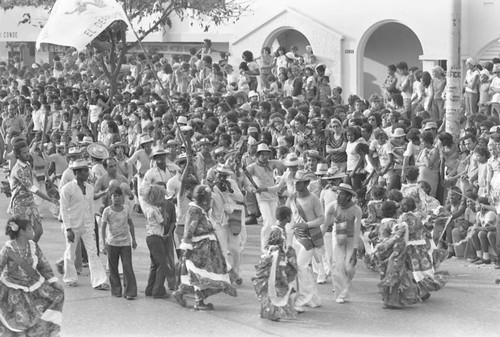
point(267, 197)
point(77, 212)
point(307, 214)
point(346, 215)
point(225, 195)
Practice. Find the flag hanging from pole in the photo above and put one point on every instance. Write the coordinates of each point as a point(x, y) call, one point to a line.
point(75, 23)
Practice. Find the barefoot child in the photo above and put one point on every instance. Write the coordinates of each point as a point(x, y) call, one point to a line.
point(117, 228)
point(278, 261)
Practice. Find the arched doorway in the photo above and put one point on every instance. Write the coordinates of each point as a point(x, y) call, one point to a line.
point(287, 37)
point(385, 43)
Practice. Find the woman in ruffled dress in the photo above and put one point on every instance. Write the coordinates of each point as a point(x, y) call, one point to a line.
point(31, 300)
point(410, 269)
point(203, 269)
point(276, 271)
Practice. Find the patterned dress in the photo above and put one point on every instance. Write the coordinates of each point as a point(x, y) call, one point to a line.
point(29, 303)
point(406, 267)
point(203, 269)
point(274, 274)
point(22, 201)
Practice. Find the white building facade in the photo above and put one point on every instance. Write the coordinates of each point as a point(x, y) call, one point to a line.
point(355, 39)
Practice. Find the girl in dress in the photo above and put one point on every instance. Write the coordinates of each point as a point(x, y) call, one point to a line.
point(275, 271)
point(203, 269)
point(31, 300)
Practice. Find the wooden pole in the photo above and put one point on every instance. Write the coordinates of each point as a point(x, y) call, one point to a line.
point(454, 73)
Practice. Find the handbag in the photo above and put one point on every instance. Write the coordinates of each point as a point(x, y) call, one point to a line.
point(234, 221)
point(310, 237)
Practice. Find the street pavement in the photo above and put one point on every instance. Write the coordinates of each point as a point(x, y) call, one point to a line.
point(469, 305)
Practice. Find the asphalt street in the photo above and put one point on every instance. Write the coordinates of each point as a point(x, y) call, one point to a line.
point(467, 306)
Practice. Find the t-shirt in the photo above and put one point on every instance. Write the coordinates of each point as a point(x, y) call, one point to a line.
point(117, 230)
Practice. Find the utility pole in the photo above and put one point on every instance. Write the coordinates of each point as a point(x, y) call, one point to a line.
point(454, 73)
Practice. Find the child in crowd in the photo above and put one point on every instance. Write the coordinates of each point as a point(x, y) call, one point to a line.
point(159, 225)
point(482, 155)
point(279, 261)
point(117, 229)
point(324, 89)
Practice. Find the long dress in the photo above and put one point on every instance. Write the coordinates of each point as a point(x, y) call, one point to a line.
point(29, 303)
point(203, 269)
point(274, 274)
point(426, 173)
point(407, 267)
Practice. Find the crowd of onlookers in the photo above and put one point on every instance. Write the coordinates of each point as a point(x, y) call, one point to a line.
point(190, 110)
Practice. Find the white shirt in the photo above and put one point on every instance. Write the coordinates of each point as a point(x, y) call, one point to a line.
point(38, 119)
point(153, 176)
point(77, 209)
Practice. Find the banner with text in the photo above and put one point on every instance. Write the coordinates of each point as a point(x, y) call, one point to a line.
point(76, 23)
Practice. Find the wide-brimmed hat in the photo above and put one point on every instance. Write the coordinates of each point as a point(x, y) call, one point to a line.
point(145, 139)
point(181, 157)
point(220, 151)
point(79, 163)
point(321, 169)
point(291, 160)
point(204, 141)
point(430, 125)
point(263, 148)
point(158, 151)
point(172, 142)
point(398, 132)
point(122, 144)
point(313, 154)
point(182, 120)
point(303, 175)
point(334, 173)
point(86, 140)
point(224, 169)
point(74, 151)
point(346, 188)
point(252, 129)
point(291, 55)
point(98, 151)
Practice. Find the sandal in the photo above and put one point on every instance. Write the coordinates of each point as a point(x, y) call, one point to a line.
point(103, 286)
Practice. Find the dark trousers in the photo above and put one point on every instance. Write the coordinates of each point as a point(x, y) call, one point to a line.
point(124, 253)
point(162, 266)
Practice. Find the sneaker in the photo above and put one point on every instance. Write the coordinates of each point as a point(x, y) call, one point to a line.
point(340, 300)
point(71, 284)
point(200, 305)
point(482, 261)
point(60, 267)
point(103, 286)
point(473, 260)
point(321, 279)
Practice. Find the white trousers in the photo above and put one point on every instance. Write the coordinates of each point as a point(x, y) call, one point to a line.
point(343, 270)
point(97, 273)
point(268, 211)
point(307, 292)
